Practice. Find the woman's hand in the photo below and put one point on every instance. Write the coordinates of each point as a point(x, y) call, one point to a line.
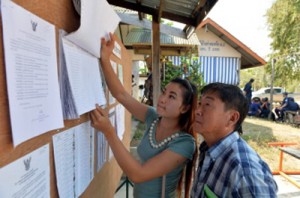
point(107, 47)
point(100, 121)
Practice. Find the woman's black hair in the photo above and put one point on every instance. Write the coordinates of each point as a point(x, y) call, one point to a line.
point(189, 98)
point(186, 121)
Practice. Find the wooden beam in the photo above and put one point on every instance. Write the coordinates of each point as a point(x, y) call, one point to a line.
point(141, 15)
point(203, 11)
point(133, 6)
point(156, 59)
point(180, 19)
point(160, 10)
point(166, 29)
point(165, 50)
point(153, 11)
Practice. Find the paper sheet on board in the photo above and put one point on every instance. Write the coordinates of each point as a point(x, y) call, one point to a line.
point(84, 77)
point(28, 176)
point(31, 73)
point(74, 159)
point(97, 19)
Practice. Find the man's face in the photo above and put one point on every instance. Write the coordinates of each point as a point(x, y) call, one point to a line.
point(211, 117)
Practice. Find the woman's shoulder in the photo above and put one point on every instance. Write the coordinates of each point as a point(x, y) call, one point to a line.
point(184, 144)
point(151, 115)
point(184, 139)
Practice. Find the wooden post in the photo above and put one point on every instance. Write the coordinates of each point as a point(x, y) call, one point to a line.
point(156, 73)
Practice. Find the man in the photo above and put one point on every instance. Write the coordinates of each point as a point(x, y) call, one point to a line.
point(228, 166)
point(266, 109)
point(287, 104)
point(248, 90)
point(254, 109)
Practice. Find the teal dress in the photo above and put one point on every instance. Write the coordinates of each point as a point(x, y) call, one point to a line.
point(183, 145)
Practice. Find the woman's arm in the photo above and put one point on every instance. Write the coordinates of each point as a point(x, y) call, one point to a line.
point(136, 108)
point(153, 168)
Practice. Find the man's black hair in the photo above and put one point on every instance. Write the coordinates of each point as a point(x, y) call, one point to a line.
point(233, 98)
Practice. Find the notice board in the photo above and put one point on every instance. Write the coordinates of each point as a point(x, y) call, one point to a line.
point(62, 14)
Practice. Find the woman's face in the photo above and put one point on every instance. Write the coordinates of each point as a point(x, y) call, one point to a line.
point(170, 102)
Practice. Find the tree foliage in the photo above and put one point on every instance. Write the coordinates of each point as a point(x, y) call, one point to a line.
point(188, 69)
point(263, 79)
point(284, 22)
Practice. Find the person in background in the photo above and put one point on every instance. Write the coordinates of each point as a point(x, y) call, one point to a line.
point(254, 109)
point(228, 166)
point(248, 90)
point(266, 109)
point(287, 104)
point(169, 142)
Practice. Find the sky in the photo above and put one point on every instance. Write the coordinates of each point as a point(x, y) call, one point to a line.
point(245, 20)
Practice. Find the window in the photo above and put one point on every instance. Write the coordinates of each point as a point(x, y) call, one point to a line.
point(277, 91)
point(268, 91)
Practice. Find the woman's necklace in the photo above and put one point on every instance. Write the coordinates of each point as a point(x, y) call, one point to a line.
point(163, 142)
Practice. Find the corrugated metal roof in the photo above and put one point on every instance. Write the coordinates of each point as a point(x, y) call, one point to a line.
point(143, 36)
point(178, 7)
point(124, 10)
point(190, 12)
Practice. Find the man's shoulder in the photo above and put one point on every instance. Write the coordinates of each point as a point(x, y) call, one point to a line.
point(240, 152)
point(246, 157)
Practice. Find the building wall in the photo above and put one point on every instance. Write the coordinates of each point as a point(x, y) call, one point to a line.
point(212, 45)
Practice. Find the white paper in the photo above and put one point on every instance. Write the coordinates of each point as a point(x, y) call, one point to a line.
point(28, 176)
point(31, 73)
point(84, 156)
point(101, 150)
point(74, 159)
point(97, 19)
point(111, 98)
point(63, 146)
point(84, 76)
point(120, 120)
point(117, 50)
point(112, 118)
point(114, 66)
point(67, 98)
point(120, 73)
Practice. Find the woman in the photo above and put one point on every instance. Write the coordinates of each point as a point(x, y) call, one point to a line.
point(168, 145)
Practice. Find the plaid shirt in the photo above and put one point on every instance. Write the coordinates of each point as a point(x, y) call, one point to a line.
point(231, 168)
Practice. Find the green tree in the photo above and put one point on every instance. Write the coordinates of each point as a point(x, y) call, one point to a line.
point(284, 23)
point(189, 68)
point(263, 79)
point(171, 71)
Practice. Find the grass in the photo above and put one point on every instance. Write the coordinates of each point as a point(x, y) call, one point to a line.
point(258, 132)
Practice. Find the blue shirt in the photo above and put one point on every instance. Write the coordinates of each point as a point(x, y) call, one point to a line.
point(253, 109)
point(290, 104)
point(184, 145)
point(248, 90)
point(231, 168)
